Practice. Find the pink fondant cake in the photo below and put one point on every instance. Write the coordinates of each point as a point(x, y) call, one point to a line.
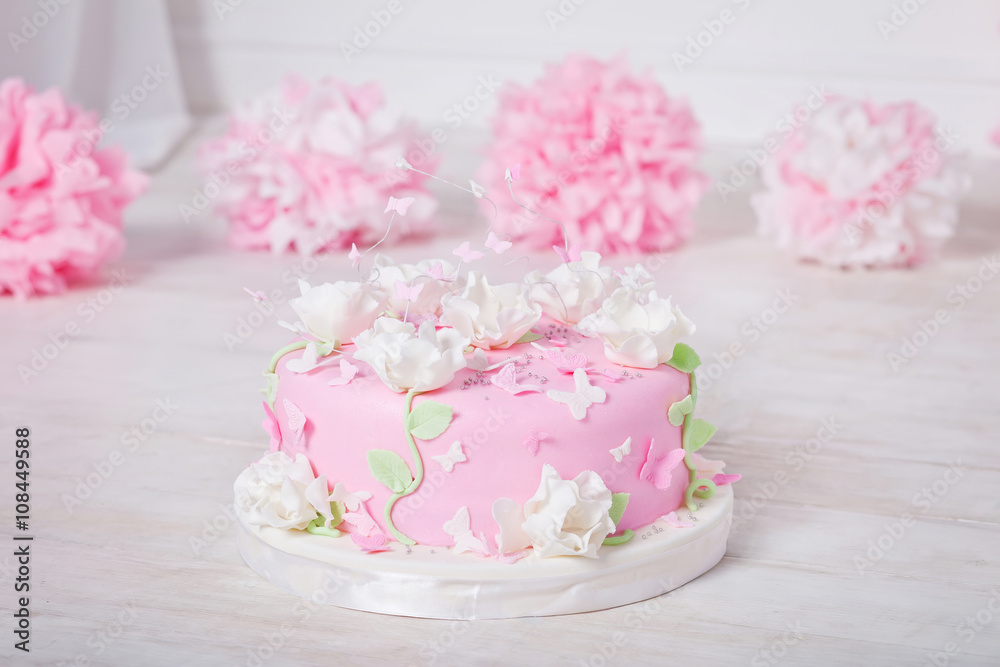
point(422, 411)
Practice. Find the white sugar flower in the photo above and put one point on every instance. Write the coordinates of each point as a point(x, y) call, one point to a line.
point(337, 312)
point(406, 358)
point(563, 518)
point(491, 317)
point(637, 330)
point(573, 290)
point(433, 279)
point(282, 493)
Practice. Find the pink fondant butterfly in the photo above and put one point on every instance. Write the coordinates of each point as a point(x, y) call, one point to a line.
point(270, 425)
point(406, 292)
point(563, 362)
point(570, 255)
point(354, 256)
point(534, 438)
point(437, 272)
point(494, 243)
point(466, 254)
point(296, 420)
point(658, 470)
point(362, 521)
point(506, 379)
point(257, 295)
point(513, 173)
point(722, 479)
point(347, 373)
point(675, 521)
point(398, 205)
point(370, 544)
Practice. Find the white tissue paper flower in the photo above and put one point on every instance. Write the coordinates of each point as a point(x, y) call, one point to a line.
point(282, 493)
point(406, 358)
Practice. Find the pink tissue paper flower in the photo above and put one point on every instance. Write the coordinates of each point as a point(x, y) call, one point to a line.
point(310, 168)
point(603, 151)
point(61, 198)
point(862, 186)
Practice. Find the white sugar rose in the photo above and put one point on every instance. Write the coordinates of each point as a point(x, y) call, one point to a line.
point(337, 312)
point(563, 518)
point(638, 330)
point(428, 276)
point(282, 493)
point(408, 359)
point(573, 290)
point(492, 317)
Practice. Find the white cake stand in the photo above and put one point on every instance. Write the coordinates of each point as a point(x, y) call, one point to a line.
point(429, 582)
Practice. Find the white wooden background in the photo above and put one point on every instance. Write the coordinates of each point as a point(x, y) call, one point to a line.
point(946, 55)
point(145, 569)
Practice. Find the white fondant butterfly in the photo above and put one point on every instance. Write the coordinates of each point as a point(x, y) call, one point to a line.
point(312, 357)
point(352, 501)
point(458, 528)
point(585, 395)
point(454, 455)
point(622, 450)
point(347, 373)
point(296, 420)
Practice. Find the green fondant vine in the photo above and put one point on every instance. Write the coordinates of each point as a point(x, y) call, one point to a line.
point(694, 432)
point(427, 422)
point(619, 501)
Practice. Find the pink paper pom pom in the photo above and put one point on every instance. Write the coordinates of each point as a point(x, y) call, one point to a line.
point(860, 185)
point(310, 168)
point(61, 199)
point(601, 150)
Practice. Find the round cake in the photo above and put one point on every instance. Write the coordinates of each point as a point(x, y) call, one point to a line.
point(448, 448)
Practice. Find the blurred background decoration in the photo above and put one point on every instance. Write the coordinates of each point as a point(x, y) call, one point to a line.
point(751, 72)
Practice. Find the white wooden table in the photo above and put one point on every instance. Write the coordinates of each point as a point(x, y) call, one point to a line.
point(142, 567)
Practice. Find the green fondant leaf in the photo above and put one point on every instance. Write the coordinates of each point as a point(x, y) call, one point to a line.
point(528, 337)
point(619, 501)
point(429, 420)
point(468, 349)
point(337, 510)
point(389, 469)
point(697, 434)
point(684, 358)
point(676, 412)
point(270, 387)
